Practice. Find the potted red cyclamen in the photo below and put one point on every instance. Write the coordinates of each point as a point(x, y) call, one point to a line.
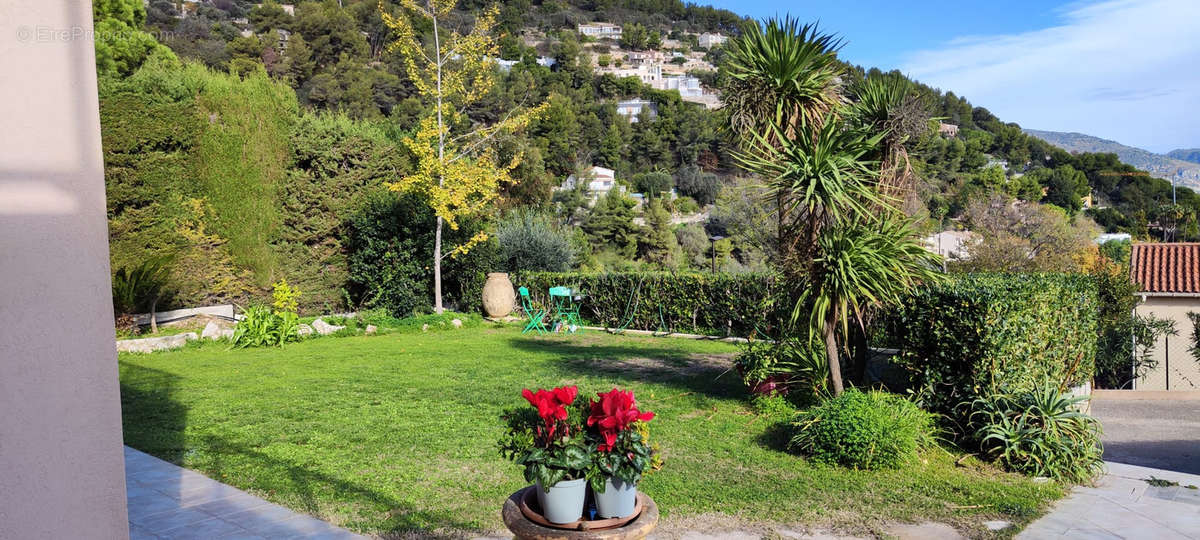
point(553, 448)
point(623, 452)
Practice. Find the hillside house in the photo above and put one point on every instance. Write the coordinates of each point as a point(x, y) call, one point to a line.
point(1169, 278)
point(633, 108)
point(600, 30)
point(599, 181)
point(708, 41)
point(947, 130)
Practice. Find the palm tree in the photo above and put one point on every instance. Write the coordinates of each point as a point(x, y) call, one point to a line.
point(889, 104)
point(781, 72)
point(860, 267)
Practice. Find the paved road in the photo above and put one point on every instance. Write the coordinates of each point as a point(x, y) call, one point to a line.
point(1151, 429)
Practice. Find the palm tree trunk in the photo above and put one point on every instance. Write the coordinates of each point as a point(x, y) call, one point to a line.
point(154, 316)
point(831, 353)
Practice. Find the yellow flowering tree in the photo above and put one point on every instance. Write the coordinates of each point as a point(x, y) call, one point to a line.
point(457, 170)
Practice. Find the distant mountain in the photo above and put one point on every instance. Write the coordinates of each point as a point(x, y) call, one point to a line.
point(1186, 154)
point(1167, 167)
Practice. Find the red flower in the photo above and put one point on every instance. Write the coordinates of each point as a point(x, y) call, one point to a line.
point(613, 414)
point(551, 404)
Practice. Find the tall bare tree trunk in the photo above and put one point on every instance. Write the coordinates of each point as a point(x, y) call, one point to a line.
point(437, 267)
point(437, 237)
point(831, 353)
point(154, 316)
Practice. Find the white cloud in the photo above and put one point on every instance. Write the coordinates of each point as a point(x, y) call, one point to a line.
point(1125, 70)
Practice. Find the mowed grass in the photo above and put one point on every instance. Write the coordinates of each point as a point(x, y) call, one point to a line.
point(395, 434)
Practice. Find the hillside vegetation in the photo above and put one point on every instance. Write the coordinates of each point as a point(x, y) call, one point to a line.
point(252, 158)
point(1170, 166)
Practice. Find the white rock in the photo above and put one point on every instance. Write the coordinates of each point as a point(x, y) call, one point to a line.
point(304, 330)
point(457, 323)
point(998, 525)
point(424, 327)
point(371, 329)
point(325, 328)
point(146, 345)
point(214, 331)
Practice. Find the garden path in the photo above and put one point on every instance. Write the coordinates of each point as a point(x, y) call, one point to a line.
point(1123, 504)
point(170, 502)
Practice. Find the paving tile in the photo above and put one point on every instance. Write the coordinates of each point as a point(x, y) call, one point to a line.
point(205, 530)
point(296, 527)
point(237, 502)
point(260, 518)
point(145, 507)
point(173, 519)
point(138, 533)
point(207, 493)
point(1164, 493)
point(1091, 534)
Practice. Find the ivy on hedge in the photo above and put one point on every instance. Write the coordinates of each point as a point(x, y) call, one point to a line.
point(979, 333)
point(697, 303)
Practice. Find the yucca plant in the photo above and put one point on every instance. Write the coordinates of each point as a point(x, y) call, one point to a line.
point(1039, 432)
point(889, 104)
point(781, 72)
point(140, 287)
point(858, 267)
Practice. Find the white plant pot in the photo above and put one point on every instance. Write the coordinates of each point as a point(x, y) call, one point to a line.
point(618, 500)
point(563, 502)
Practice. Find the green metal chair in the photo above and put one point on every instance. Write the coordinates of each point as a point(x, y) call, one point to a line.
point(566, 308)
point(536, 316)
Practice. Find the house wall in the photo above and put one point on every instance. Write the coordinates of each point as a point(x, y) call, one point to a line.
point(61, 461)
point(1177, 369)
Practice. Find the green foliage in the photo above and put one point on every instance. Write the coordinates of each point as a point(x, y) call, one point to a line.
point(263, 327)
point(1039, 432)
point(240, 163)
point(554, 459)
point(610, 225)
point(138, 288)
point(1116, 251)
point(700, 185)
point(653, 184)
point(388, 241)
point(528, 240)
point(791, 366)
point(1126, 339)
point(713, 304)
point(872, 430)
point(979, 333)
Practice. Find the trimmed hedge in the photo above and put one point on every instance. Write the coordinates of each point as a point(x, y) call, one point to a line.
point(980, 333)
point(713, 304)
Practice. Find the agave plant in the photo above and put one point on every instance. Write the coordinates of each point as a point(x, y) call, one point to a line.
point(140, 287)
point(1039, 432)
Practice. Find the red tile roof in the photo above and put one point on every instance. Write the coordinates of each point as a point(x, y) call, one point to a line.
point(1166, 268)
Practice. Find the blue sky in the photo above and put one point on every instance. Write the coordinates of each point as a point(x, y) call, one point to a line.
point(1127, 70)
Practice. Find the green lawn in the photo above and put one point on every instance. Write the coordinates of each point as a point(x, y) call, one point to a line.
point(395, 434)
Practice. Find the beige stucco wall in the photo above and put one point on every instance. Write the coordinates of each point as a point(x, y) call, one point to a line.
point(1177, 369)
point(61, 462)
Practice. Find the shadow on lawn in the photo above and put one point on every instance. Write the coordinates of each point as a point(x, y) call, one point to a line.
point(705, 373)
point(154, 422)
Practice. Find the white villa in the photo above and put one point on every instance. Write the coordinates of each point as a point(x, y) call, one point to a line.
point(709, 41)
point(600, 180)
point(632, 108)
point(600, 30)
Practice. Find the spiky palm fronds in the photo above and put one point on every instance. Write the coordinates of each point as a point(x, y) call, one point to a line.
point(781, 72)
point(819, 177)
point(889, 104)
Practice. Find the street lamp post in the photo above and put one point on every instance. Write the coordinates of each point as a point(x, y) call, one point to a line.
point(713, 239)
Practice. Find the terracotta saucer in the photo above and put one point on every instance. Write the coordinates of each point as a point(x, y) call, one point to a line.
point(532, 512)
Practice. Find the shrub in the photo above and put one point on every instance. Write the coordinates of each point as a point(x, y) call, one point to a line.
point(794, 367)
point(872, 430)
point(270, 326)
point(698, 184)
point(530, 240)
point(653, 183)
point(713, 304)
point(978, 333)
point(1039, 432)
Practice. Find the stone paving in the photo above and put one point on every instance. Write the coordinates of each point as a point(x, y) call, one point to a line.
point(1123, 505)
point(172, 503)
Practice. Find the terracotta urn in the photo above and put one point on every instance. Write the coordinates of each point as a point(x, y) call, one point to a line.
point(498, 295)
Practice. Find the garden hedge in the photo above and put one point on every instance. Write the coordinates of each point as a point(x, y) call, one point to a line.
point(713, 304)
point(978, 333)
